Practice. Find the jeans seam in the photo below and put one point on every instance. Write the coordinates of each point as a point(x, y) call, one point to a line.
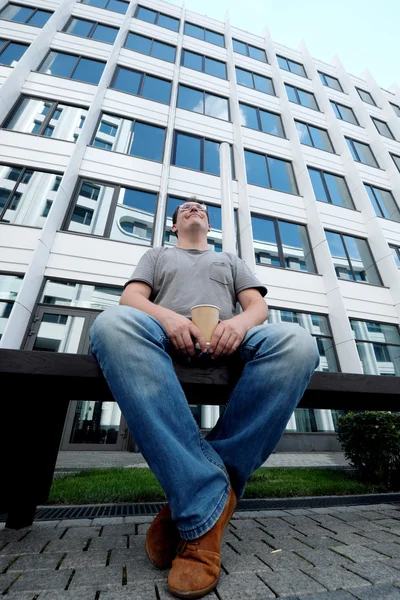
point(222, 468)
point(202, 525)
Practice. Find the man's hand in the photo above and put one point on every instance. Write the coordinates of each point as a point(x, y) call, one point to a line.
point(180, 329)
point(227, 337)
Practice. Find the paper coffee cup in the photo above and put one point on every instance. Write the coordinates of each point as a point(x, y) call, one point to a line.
point(206, 318)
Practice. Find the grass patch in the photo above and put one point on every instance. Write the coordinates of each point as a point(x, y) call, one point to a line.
point(103, 486)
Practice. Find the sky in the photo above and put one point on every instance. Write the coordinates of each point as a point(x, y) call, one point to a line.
point(363, 34)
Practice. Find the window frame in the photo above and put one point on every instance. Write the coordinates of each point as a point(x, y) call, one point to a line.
point(296, 89)
point(143, 75)
point(258, 109)
point(356, 152)
point(203, 139)
point(266, 156)
point(325, 75)
point(396, 108)
point(204, 29)
point(397, 250)
point(54, 105)
point(373, 188)
point(308, 125)
point(35, 9)
point(280, 245)
point(105, 7)
point(389, 137)
point(91, 32)
point(373, 103)
point(151, 47)
point(258, 75)
point(229, 120)
point(394, 156)
point(289, 70)
point(357, 237)
point(158, 13)
point(79, 57)
point(326, 188)
point(134, 121)
point(370, 341)
point(203, 64)
point(338, 106)
point(7, 43)
point(248, 52)
point(111, 212)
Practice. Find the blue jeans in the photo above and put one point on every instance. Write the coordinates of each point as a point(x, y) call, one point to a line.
point(136, 356)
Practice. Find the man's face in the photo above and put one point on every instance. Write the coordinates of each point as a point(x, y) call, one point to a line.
point(192, 217)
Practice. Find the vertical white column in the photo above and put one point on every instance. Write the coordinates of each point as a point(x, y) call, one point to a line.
point(342, 333)
point(227, 214)
point(25, 302)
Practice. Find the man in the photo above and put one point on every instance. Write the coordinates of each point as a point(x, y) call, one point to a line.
point(203, 478)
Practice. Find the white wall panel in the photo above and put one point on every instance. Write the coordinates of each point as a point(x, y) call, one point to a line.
point(67, 42)
point(265, 143)
point(18, 32)
point(368, 301)
point(341, 219)
point(59, 88)
point(205, 48)
point(185, 182)
point(287, 52)
point(251, 64)
point(258, 99)
point(204, 81)
point(16, 247)
point(4, 73)
point(324, 160)
point(131, 107)
point(147, 64)
point(100, 15)
point(276, 204)
point(203, 125)
point(391, 229)
point(154, 31)
point(34, 151)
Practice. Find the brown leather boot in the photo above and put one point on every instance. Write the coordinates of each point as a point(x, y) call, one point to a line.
point(196, 568)
point(162, 539)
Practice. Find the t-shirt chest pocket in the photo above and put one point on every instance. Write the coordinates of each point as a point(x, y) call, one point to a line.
point(221, 272)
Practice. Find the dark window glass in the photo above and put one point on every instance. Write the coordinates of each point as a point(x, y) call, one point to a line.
point(14, 12)
point(103, 33)
point(102, 144)
point(40, 18)
point(330, 188)
point(396, 160)
point(127, 81)
point(215, 67)
point(383, 202)
point(82, 215)
point(249, 116)
point(278, 175)
point(194, 31)
point(214, 38)
point(256, 169)
point(139, 43)
point(239, 47)
point(145, 14)
point(330, 81)
point(361, 153)
point(302, 97)
point(344, 112)
point(89, 70)
point(249, 50)
point(163, 51)
point(60, 64)
point(190, 99)
point(168, 22)
point(263, 84)
point(396, 255)
point(188, 151)
point(352, 258)
point(79, 27)
point(244, 77)
point(262, 120)
point(215, 106)
point(383, 128)
point(118, 6)
point(314, 136)
point(211, 157)
point(366, 97)
point(257, 53)
point(292, 66)
point(98, 3)
point(192, 60)
point(148, 142)
point(11, 53)
point(88, 190)
point(156, 89)
point(395, 108)
point(378, 346)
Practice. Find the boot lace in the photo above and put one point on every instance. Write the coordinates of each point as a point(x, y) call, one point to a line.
point(187, 544)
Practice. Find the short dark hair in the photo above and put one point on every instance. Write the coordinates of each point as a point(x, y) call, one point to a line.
point(175, 215)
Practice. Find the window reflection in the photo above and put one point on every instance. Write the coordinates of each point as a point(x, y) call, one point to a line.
point(9, 288)
point(70, 293)
point(378, 346)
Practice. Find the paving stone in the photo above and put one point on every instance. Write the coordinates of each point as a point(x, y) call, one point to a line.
point(348, 539)
point(144, 591)
point(316, 541)
point(98, 577)
point(84, 593)
point(386, 548)
point(21, 596)
point(335, 595)
point(336, 577)
point(249, 546)
point(323, 556)
point(300, 511)
point(121, 556)
point(256, 533)
point(359, 553)
point(125, 529)
point(163, 593)
point(108, 542)
point(269, 513)
point(71, 545)
point(386, 592)
point(47, 534)
point(290, 581)
point(76, 560)
point(143, 528)
point(375, 571)
point(287, 543)
point(6, 579)
point(6, 560)
point(42, 580)
point(312, 530)
point(380, 536)
point(144, 571)
point(82, 533)
point(76, 523)
point(241, 564)
point(299, 521)
point(32, 562)
point(390, 523)
point(108, 520)
point(24, 547)
point(244, 586)
point(282, 560)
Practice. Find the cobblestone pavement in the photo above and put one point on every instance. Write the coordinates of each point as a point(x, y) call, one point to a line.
point(341, 553)
point(93, 459)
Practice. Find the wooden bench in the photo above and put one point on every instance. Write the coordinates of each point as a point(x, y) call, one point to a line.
point(37, 387)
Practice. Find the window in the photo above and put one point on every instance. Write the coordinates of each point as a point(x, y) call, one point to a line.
point(257, 82)
point(352, 258)
point(71, 66)
point(362, 153)
point(141, 84)
point(281, 244)
point(202, 63)
point(314, 136)
point(383, 202)
point(270, 172)
point(378, 347)
point(330, 188)
point(396, 160)
point(197, 153)
point(396, 108)
point(157, 18)
point(292, 66)
point(396, 255)
point(318, 326)
point(114, 212)
point(383, 128)
point(203, 102)
point(45, 117)
point(25, 14)
point(151, 47)
point(115, 5)
point(366, 96)
point(9, 288)
point(345, 113)
point(249, 50)
point(11, 52)
point(131, 137)
point(201, 33)
point(23, 195)
point(263, 120)
point(302, 97)
point(330, 81)
point(91, 30)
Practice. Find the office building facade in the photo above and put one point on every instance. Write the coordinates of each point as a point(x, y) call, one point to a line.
point(112, 113)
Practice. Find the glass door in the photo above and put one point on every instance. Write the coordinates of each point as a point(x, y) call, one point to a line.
point(90, 425)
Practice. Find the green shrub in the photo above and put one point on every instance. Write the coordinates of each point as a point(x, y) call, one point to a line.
point(371, 442)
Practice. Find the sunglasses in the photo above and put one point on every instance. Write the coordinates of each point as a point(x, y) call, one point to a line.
point(190, 206)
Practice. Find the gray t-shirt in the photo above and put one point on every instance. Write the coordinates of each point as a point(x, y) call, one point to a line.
point(182, 278)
